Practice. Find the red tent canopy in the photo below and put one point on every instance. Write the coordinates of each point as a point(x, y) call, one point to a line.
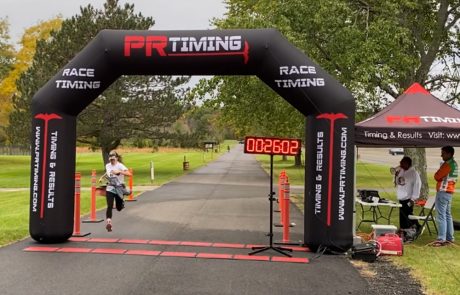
point(415, 118)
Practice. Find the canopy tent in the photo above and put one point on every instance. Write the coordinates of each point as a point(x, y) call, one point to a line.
point(415, 118)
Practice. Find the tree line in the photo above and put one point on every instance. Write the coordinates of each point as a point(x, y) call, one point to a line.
point(376, 49)
point(139, 110)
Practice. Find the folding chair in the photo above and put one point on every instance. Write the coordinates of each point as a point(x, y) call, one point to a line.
point(426, 215)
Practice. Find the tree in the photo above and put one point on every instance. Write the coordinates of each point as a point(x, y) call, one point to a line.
point(133, 107)
point(374, 48)
point(200, 123)
point(7, 55)
point(248, 106)
point(22, 61)
point(130, 106)
point(7, 52)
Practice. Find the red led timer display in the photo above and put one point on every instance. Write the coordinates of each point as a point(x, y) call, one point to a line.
point(272, 146)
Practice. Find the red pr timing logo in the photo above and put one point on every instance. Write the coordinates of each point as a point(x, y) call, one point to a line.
point(164, 46)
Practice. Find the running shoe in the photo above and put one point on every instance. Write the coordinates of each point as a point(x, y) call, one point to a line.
point(109, 225)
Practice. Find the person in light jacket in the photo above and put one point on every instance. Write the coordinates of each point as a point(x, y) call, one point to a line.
point(408, 185)
point(115, 171)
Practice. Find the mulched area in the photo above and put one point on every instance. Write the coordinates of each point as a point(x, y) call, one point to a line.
point(386, 278)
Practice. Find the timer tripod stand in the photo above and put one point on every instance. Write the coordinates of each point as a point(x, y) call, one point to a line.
point(270, 234)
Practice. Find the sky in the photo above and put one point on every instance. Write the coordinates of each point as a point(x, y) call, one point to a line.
point(168, 14)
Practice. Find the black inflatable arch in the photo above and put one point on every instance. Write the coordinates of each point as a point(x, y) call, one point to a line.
point(328, 106)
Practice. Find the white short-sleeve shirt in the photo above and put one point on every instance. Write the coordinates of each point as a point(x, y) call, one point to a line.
point(118, 166)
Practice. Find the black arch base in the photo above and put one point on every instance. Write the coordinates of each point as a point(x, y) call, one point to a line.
point(328, 106)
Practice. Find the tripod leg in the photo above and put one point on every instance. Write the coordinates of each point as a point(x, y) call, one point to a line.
point(258, 250)
point(279, 250)
point(284, 249)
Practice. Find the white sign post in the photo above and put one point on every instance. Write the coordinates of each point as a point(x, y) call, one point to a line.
point(152, 172)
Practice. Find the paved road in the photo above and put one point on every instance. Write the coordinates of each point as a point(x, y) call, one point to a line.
point(224, 202)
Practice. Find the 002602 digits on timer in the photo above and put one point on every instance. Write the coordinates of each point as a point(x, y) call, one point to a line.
point(271, 146)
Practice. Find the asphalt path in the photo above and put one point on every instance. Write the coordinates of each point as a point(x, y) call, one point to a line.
point(224, 202)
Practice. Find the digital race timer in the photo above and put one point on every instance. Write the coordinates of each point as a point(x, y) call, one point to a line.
point(271, 146)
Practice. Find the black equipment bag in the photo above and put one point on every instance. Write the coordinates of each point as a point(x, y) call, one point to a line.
point(367, 252)
point(367, 195)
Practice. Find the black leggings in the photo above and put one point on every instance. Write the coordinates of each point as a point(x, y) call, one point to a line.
point(109, 196)
point(404, 212)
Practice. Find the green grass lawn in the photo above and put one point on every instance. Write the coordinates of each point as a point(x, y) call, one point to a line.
point(14, 213)
point(14, 219)
point(15, 173)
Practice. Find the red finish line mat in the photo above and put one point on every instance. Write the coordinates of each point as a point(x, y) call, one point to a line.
point(179, 243)
point(165, 254)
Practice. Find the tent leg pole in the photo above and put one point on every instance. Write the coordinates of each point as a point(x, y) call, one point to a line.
point(354, 195)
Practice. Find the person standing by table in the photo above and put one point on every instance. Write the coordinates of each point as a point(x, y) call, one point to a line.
point(408, 185)
point(446, 177)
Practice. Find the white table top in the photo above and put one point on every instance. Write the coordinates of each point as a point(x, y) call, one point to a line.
point(389, 204)
point(384, 226)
